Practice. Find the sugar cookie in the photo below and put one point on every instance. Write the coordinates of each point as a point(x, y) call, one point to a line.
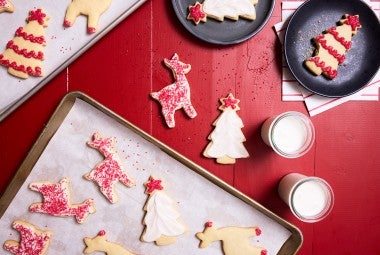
point(235, 240)
point(56, 201)
point(196, 13)
point(110, 171)
point(331, 47)
point(220, 9)
point(176, 95)
point(6, 6)
point(100, 243)
point(33, 241)
point(24, 55)
point(227, 138)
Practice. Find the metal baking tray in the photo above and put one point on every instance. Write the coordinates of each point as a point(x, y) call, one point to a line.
point(64, 45)
point(51, 130)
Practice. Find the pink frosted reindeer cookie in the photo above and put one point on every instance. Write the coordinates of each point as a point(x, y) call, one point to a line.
point(6, 6)
point(176, 95)
point(90, 8)
point(110, 171)
point(235, 240)
point(57, 201)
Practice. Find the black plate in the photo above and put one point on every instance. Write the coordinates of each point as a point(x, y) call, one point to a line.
point(227, 31)
point(362, 60)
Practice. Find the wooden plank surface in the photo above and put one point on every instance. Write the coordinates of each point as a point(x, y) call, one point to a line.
point(125, 66)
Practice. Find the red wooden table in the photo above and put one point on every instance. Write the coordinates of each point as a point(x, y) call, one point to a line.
point(126, 65)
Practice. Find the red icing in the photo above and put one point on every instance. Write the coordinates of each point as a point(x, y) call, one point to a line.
point(321, 40)
point(3, 3)
point(32, 241)
point(353, 21)
point(30, 37)
point(67, 23)
point(153, 185)
point(57, 201)
point(25, 52)
point(102, 233)
point(21, 68)
point(258, 231)
point(332, 73)
point(341, 40)
point(229, 101)
point(176, 95)
point(264, 252)
point(196, 12)
point(209, 224)
point(108, 172)
point(37, 15)
point(91, 30)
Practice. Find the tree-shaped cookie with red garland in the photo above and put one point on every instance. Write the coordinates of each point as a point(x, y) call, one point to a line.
point(56, 201)
point(235, 240)
point(24, 54)
point(110, 171)
point(227, 138)
point(331, 47)
point(33, 241)
point(6, 6)
point(161, 219)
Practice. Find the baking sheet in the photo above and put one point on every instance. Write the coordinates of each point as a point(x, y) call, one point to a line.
point(200, 196)
point(64, 45)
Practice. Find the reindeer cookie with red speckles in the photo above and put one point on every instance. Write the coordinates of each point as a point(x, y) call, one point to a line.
point(110, 171)
point(6, 6)
point(235, 240)
point(33, 241)
point(57, 201)
point(176, 95)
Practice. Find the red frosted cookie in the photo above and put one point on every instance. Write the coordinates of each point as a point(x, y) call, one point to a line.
point(176, 95)
point(56, 201)
point(196, 13)
point(6, 6)
point(110, 171)
point(33, 241)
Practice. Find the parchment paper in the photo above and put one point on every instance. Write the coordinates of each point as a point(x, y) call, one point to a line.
point(198, 199)
point(62, 43)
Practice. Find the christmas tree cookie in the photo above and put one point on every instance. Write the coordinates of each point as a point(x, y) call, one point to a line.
point(220, 9)
point(227, 138)
point(33, 241)
point(6, 6)
point(24, 55)
point(161, 218)
point(331, 47)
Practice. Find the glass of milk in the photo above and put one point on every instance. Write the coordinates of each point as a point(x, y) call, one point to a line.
point(290, 134)
point(310, 198)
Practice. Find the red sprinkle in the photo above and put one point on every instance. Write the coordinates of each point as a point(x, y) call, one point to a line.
point(258, 231)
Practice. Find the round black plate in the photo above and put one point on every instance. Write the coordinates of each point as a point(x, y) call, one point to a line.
point(362, 60)
point(228, 31)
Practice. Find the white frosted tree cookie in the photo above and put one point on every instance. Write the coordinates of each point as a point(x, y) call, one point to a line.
point(220, 9)
point(24, 54)
point(176, 95)
point(6, 6)
point(161, 219)
point(100, 243)
point(56, 201)
point(90, 8)
point(110, 171)
point(33, 241)
point(227, 138)
point(235, 240)
point(331, 47)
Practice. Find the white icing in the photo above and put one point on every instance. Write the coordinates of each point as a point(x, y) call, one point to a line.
point(227, 137)
point(230, 8)
point(161, 217)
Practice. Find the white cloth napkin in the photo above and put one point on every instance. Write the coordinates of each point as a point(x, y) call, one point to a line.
point(293, 91)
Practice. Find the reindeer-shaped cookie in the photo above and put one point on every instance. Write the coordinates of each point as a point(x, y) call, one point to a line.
point(90, 8)
point(100, 243)
point(6, 6)
point(235, 240)
point(108, 172)
point(32, 241)
point(56, 201)
point(176, 95)
point(331, 47)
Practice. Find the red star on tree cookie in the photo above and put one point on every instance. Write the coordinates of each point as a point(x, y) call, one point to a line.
point(153, 185)
point(229, 102)
point(196, 13)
